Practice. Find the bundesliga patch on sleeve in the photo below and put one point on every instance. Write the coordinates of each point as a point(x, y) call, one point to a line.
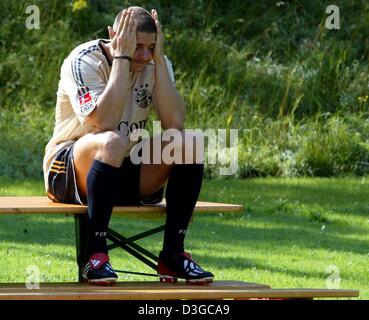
point(86, 103)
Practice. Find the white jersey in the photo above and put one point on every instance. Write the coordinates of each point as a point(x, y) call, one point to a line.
point(83, 77)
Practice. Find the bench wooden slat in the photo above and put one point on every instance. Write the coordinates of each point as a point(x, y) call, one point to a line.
point(10, 205)
point(132, 285)
point(156, 290)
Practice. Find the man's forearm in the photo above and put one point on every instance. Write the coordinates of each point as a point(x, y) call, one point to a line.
point(169, 104)
point(112, 101)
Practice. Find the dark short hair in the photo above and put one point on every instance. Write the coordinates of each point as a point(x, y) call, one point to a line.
point(145, 23)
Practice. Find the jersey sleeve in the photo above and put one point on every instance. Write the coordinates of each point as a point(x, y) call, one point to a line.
point(83, 84)
point(170, 69)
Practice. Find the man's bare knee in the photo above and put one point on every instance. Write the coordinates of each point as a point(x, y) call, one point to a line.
point(112, 148)
point(107, 147)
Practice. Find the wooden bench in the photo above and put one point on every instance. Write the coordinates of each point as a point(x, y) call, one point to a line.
point(42, 205)
point(138, 290)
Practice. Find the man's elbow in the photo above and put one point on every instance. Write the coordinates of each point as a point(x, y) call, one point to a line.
point(102, 124)
point(178, 121)
point(175, 123)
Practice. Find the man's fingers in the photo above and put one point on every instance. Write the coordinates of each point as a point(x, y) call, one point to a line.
point(113, 39)
point(134, 27)
point(126, 22)
point(155, 16)
point(121, 22)
point(131, 23)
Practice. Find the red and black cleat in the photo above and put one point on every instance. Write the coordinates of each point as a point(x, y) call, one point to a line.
point(181, 266)
point(98, 270)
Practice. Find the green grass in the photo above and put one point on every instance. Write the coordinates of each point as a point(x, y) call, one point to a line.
point(290, 233)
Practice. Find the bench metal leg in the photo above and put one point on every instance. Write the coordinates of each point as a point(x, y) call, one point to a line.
point(82, 250)
point(118, 240)
point(134, 249)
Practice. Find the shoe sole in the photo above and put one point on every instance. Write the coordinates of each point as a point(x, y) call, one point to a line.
point(200, 282)
point(101, 282)
point(104, 282)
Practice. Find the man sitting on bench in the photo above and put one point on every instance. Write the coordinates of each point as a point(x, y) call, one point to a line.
point(105, 92)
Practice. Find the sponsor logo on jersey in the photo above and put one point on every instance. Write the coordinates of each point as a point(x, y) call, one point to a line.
point(127, 128)
point(86, 102)
point(85, 98)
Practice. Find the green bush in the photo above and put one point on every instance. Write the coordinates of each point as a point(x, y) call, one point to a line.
point(297, 91)
point(332, 148)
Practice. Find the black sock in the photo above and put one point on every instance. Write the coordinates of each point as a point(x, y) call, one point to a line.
point(102, 186)
point(182, 192)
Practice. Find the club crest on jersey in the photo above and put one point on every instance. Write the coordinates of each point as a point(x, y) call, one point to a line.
point(86, 102)
point(143, 96)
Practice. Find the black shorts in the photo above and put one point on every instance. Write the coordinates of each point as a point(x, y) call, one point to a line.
point(63, 185)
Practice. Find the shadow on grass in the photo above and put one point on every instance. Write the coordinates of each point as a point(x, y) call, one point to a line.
point(239, 233)
point(38, 229)
point(302, 234)
point(350, 197)
point(219, 263)
point(205, 229)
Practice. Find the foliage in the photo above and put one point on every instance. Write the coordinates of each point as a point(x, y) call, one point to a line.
point(296, 91)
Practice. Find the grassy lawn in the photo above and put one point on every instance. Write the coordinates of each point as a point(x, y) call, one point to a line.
point(293, 233)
